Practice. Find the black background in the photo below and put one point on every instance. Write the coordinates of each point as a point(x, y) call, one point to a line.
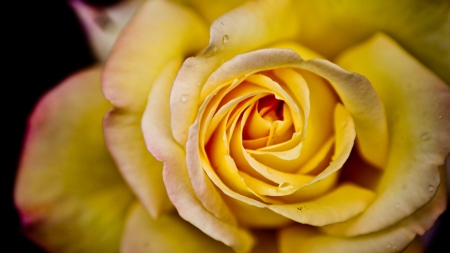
point(48, 44)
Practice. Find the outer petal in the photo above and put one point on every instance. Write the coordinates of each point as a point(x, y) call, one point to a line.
point(159, 140)
point(241, 30)
point(67, 182)
point(418, 112)
point(168, 233)
point(103, 26)
point(393, 239)
point(211, 10)
point(421, 27)
point(158, 33)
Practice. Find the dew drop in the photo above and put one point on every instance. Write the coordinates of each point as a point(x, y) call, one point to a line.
point(285, 186)
point(388, 246)
point(394, 247)
point(233, 66)
point(425, 136)
point(225, 39)
point(440, 116)
point(215, 49)
point(184, 98)
point(431, 188)
point(397, 205)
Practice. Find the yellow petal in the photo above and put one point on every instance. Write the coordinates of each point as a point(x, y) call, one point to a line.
point(159, 32)
point(168, 233)
point(255, 217)
point(266, 22)
point(392, 239)
point(67, 183)
point(333, 207)
point(418, 112)
point(422, 27)
point(300, 49)
point(214, 218)
point(211, 10)
point(363, 103)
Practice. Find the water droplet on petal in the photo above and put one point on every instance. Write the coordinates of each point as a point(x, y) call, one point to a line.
point(215, 49)
point(425, 136)
point(394, 247)
point(388, 246)
point(431, 188)
point(285, 186)
point(184, 98)
point(225, 39)
point(440, 116)
point(397, 205)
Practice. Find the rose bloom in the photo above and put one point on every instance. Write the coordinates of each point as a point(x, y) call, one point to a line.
point(265, 126)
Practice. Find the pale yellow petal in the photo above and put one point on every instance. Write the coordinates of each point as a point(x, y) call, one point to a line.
point(160, 32)
point(392, 239)
point(167, 233)
point(211, 10)
point(67, 182)
point(418, 113)
point(422, 27)
point(214, 219)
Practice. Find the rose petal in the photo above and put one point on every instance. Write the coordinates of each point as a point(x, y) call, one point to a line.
point(167, 233)
point(220, 224)
point(422, 27)
point(67, 183)
point(418, 113)
point(262, 26)
point(255, 217)
point(103, 26)
point(300, 49)
point(392, 239)
point(211, 10)
point(332, 207)
point(144, 49)
point(361, 100)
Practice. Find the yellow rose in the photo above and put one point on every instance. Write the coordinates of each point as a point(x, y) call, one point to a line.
point(256, 140)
